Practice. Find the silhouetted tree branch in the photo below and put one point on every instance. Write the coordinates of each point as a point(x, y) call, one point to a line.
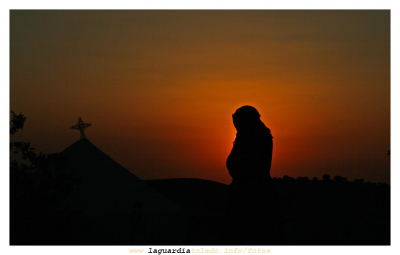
point(37, 188)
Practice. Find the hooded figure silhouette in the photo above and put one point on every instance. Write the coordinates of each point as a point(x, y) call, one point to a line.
point(253, 215)
point(251, 155)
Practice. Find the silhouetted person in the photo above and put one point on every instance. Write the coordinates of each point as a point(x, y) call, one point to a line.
point(253, 212)
point(251, 155)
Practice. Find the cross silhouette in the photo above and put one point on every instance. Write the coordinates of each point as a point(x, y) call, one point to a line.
point(81, 126)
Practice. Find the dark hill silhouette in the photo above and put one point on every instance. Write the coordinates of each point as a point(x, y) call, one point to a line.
point(204, 202)
point(317, 212)
point(194, 195)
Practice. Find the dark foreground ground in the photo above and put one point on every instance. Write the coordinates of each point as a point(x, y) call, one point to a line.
point(316, 212)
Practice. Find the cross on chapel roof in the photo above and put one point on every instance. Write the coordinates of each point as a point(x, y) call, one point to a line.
point(81, 126)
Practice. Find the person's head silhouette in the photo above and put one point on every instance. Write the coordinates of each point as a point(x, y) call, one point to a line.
point(246, 118)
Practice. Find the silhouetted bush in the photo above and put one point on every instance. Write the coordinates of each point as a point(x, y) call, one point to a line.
point(340, 178)
point(302, 179)
point(288, 179)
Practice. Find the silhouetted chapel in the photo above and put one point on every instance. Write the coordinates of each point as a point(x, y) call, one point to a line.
point(122, 208)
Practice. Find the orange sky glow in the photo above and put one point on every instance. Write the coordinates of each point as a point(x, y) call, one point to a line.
point(160, 87)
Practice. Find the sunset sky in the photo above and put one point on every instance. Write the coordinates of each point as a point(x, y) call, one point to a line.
point(160, 87)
